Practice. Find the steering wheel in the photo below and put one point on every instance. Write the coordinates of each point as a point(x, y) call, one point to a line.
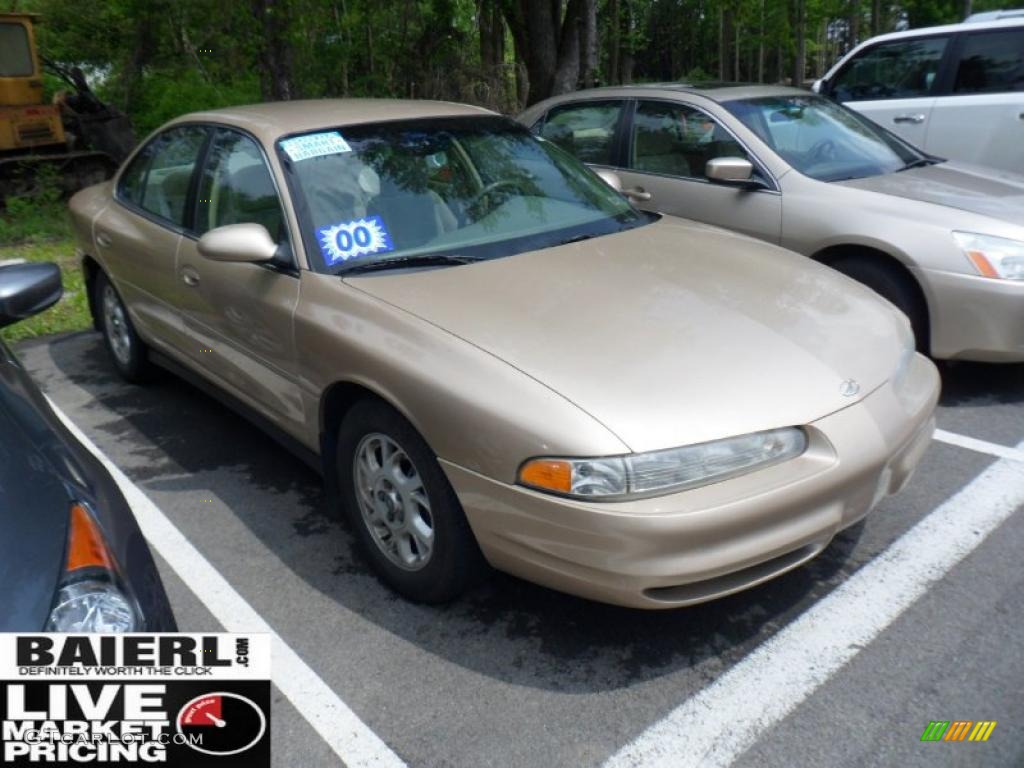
point(822, 151)
point(491, 188)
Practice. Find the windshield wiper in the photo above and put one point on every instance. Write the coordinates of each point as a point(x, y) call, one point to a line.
point(921, 162)
point(410, 262)
point(576, 239)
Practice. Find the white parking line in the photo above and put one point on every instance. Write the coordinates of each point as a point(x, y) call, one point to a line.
point(347, 735)
point(980, 446)
point(717, 725)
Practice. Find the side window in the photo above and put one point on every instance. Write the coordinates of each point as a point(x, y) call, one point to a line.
point(677, 140)
point(15, 53)
point(236, 187)
point(991, 62)
point(130, 187)
point(158, 178)
point(903, 69)
point(585, 130)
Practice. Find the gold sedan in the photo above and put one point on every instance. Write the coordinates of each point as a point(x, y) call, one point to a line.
point(494, 358)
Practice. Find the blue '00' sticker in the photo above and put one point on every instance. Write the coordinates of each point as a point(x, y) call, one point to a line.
point(353, 239)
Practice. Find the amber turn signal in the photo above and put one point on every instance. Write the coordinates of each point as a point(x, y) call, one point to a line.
point(548, 474)
point(86, 548)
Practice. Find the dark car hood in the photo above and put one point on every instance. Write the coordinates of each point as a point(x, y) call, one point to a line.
point(985, 191)
point(34, 504)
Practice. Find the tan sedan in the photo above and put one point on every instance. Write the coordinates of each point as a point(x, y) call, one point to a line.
point(494, 358)
point(943, 241)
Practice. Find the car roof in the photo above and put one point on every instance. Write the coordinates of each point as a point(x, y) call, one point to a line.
point(714, 90)
point(275, 119)
point(973, 26)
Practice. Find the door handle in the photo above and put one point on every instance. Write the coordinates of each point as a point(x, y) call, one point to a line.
point(912, 119)
point(102, 239)
point(637, 193)
point(1021, 115)
point(190, 277)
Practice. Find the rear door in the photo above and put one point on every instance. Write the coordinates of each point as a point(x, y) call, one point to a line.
point(981, 120)
point(894, 83)
point(668, 145)
point(137, 236)
point(239, 317)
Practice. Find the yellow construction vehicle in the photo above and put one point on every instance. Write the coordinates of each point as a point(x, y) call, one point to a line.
point(82, 139)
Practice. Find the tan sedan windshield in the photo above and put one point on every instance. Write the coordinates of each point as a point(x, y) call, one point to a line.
point(473, 188)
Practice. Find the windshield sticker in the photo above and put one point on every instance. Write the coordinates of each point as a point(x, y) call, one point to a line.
point(315, 145)
point(353, 239)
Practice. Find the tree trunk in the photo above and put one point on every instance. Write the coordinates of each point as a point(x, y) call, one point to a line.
point(800, 42)
point(968, 7)
point(614, 42)
point(853, 36)
point(547, 42)
point(722, 58)
point(275, 57)
point(760, 47)
point(588, 44)
point(876, 17)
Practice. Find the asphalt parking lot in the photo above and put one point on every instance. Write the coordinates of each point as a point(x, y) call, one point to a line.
point(912, 617)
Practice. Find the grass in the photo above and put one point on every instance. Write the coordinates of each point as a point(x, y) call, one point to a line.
point(37, 229)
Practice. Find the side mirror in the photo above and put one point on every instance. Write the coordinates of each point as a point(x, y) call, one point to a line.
point(27, 289)
point(244, 243)
point(729, 170)
point(611, 178)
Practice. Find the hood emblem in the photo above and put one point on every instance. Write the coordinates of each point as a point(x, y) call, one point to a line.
point(849, 388)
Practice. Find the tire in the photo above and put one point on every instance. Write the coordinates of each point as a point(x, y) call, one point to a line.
point(890, 283)
point(127, 351)
point(401, 502)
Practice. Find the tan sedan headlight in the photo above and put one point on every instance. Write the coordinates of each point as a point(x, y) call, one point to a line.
point(993, 256)
point(657, 473)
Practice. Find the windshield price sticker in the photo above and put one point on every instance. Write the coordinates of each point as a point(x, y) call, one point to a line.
point(175, 699)
point(315, 145)
point(352, 239)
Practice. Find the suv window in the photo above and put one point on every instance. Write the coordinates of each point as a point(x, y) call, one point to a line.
point(991, 62)
point(236, 187)
point(584, 130)
point(678, 140)
point(903, 69)
point(15, 54)
point(158, 179)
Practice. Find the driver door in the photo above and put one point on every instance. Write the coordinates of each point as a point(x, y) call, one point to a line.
point(239, 316)
point(669, 145)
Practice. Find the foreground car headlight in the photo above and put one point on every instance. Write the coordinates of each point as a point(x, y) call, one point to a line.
point(661, 472)
point(91, 606)
point(91, 597)
point(993, 256)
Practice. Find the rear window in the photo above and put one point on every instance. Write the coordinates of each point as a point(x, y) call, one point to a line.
point(992, 62)
point(15, 53)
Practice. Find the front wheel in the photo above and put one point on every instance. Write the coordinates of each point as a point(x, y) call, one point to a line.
point(402, 508)
point(128, 352)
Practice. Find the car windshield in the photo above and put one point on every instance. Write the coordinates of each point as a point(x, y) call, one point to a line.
point(448, 190)
point(822, 139)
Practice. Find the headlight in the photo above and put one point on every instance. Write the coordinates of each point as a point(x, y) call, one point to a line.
point(993, 256)
point(91, 597)
point(662, 472)
point(906, 359)
point(91, 606)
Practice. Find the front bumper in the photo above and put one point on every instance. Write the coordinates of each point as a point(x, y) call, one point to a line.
point(708, 542)
point(975, 318)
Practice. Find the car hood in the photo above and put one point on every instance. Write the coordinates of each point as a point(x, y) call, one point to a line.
point(668, 334)
point(34, 506)
point(970, 188)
